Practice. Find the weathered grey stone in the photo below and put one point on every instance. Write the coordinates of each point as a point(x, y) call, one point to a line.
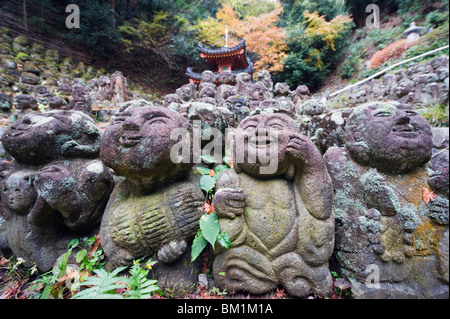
point(55, 190)
point(265, 78)
point(65, 89)
point(226, 77)
point(440, 143)
point(330, 131)
point(25, 101)
point(57, 103)
point(30, 78)
point(257, 93)
point(384, 229)
point(186, 92)
point(21, 44)
point(243, 80)
point(5, 102)
point(313, 107)
point(155, 210)
point(281, 230)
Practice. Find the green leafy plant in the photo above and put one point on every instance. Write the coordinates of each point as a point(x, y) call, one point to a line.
point(108, 285)
point(87, 279)
point(341, 286)
point(93, 259)
point(22, 56)
point(65, 279)
point(103, 285)
point(209, 231)
point(140, 287)
point(436, 114)
point(51, 284)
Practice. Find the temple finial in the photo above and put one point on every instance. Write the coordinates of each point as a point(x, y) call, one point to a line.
point(226, 34)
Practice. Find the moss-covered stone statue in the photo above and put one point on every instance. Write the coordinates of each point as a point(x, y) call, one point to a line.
point(391, 238)
point(55, 189)
point(155, 211)
point(279, 218)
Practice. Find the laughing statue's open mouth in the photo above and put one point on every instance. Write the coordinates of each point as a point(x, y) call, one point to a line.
point(129, 140)
point(19, 130)
point(405, 130)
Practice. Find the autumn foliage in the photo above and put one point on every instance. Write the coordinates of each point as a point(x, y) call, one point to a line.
point(263, 37)
point(325, 31)
point(392, 51)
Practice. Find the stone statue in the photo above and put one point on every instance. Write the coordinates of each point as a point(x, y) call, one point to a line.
point(155, 210)
point(390, 242)
point(300, 94)
point(81, 100)
point(243, 80)
point(257, 92)
point(171, 98)
point(209, 118)
point(186, 92)
point(280, 223)
point(265, 78)
point(237, 105)
point(208, 77)
point(207, 90)
point(55, 189)
point(226, 77)
point(224, 91)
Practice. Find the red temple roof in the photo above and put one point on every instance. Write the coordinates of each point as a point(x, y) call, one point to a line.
point(232, 59)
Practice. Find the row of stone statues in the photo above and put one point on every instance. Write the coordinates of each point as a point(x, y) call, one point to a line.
point(362, 201)
point(235, 101)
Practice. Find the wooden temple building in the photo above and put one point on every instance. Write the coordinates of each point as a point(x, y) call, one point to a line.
point(222, 59)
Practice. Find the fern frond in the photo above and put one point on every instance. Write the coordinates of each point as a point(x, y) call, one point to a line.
point(101, 286)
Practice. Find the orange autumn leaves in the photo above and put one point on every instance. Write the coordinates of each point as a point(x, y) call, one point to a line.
point(427, 195)
point(263, 37)
point(392, 51)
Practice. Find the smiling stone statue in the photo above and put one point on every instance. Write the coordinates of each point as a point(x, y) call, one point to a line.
point(279, 217)
point(155, 210)
point(391, 241)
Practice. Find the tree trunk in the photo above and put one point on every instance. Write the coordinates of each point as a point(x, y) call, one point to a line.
point(113, 7)
point(25, 16)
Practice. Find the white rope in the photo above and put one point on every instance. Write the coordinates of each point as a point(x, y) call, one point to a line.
point(388, 68)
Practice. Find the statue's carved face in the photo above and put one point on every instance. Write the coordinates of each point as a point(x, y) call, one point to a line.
point(186, 92)
point(394, 139)
point(41, 137)
point(18, 192)
point(208, 91)
point(261, 138)
point(138, 141)
point(244, 78)
point(258, 92)
point(263, 75)
point(281, 89)
point(302, 90)
point(270, 104)
point(226, 77)
point(228, 92)
point(171, 98)
point(208, 77)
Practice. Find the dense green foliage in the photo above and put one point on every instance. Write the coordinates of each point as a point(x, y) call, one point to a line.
point(310, 56)
point(156, 39)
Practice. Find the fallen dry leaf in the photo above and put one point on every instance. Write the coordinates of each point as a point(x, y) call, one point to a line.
point(95, 245)
point(427, 195)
